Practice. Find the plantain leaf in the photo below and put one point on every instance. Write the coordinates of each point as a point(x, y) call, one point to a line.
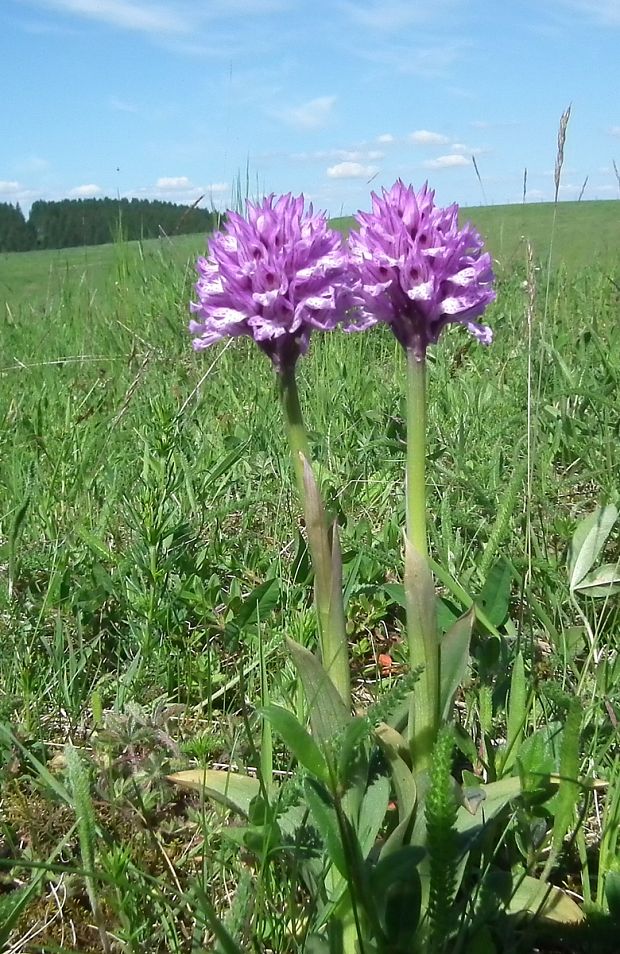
point(300, 742)
point(588, 541)
point(600, 583)
point(494, 597)
point(230, 789)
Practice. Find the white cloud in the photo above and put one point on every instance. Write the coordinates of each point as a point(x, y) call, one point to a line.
point(393, 15)
point(86, 191)
point(134, 15)
point(9, 187)
point(216, 188)
point(467, 150)
point(452, 161)
point(386, 138)
point(351, 170)
point(614, 130)
point(172, 183)
point(424, 137)
point(344, 155)
point(311, 115)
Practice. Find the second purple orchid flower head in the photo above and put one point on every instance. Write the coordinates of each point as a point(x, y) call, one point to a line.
point(417, 270)
point(281, 272)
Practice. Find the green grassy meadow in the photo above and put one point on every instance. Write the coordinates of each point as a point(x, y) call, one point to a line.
point(153, 561)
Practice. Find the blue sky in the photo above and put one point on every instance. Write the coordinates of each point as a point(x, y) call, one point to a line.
point(173, 99)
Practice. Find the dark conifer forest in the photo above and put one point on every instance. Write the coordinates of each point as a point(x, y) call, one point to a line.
point(72, 222)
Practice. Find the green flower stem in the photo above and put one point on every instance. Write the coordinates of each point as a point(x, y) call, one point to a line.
point(325, 553)
point(419, 588)
point(416, 451)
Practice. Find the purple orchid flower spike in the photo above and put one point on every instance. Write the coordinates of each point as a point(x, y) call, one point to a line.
point(275, 275)
point(417, 270)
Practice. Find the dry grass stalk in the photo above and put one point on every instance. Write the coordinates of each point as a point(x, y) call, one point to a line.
point(583, 189)
point(524, 184)
point(616, 171)
point(559, 159)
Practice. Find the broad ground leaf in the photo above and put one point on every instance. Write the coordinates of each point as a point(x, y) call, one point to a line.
point(524, 895)
point(588, 541)
point(230, 789)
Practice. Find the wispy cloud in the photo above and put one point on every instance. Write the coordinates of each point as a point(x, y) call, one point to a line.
point(602, 12)
point(393, 15)
point(142, 17)
point(431, 61)
point(452, 161)
point(386, 138)
point(351, 170)
point(88, 191)
point(346, 155)
point(614, 130)
point(121, 105)
point(310, 115)
point(424, 137)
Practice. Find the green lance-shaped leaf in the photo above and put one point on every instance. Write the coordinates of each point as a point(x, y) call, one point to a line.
point(517, 713)
point(395, 749)
point(329, 716)
point(423, 653)
point(569, 787)
point(323, 814)
point(454, 659)
point(298, 741)
point(588, 541)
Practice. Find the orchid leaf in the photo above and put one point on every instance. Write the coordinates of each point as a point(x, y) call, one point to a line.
point(297, 740)
point(329, 716)
point(454, 655)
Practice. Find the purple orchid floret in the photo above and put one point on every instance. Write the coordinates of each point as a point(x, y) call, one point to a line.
point(274, 275)
point(417, 270)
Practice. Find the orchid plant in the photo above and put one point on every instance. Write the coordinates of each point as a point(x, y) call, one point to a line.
point(276, 275)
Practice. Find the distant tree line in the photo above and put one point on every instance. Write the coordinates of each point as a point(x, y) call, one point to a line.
point(72, 222)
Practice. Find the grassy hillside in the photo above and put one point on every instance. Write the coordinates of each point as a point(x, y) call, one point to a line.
point(585, 233)
point(152, 563)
